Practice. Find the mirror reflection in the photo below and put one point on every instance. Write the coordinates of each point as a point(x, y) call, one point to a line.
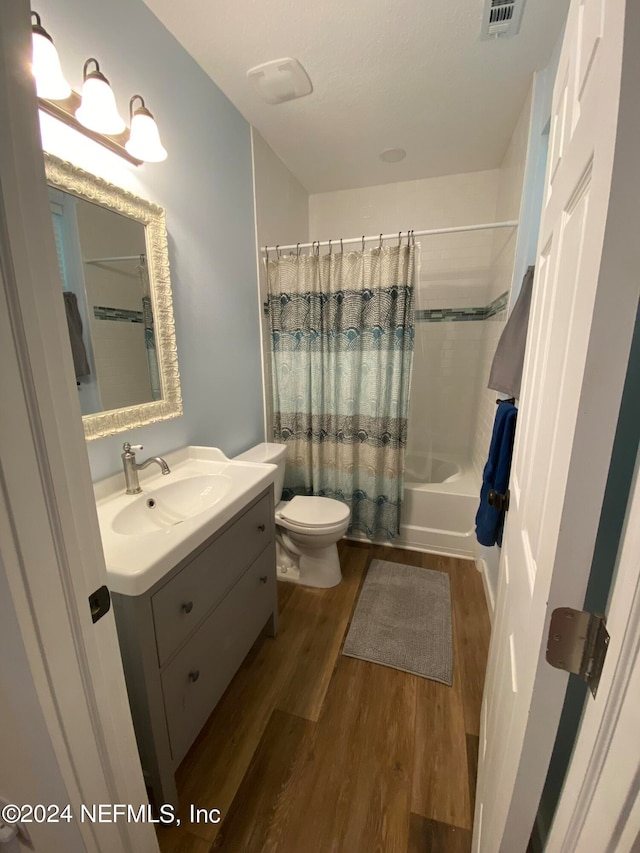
point(105, 275)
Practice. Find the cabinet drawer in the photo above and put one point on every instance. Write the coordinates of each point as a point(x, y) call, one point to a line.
point(181, 604)
point(196, 678)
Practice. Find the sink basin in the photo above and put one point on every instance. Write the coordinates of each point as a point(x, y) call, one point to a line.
point(145, 536)
point(167, 505)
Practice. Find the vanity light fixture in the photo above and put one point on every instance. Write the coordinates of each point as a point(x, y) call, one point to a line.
point(98, 110)
point(144, 138)
point(50, 81)
point(93, 113)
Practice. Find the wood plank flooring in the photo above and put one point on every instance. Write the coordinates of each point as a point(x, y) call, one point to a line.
point(309, 751)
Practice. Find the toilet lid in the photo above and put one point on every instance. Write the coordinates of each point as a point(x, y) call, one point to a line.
point(313, 511)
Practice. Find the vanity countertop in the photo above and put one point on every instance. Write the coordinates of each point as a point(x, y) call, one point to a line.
point(145, 535)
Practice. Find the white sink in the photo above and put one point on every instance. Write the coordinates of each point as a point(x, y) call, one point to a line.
point(164, 506)
point(145, 535)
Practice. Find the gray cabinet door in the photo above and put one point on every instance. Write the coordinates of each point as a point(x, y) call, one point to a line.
point(183, 602)
point(195, 679)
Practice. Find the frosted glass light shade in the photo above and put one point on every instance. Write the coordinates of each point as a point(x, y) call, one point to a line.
point(144, 138)
point(98, 110)
point(50, 82)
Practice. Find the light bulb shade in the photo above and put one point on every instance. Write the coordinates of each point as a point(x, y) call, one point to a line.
point(50, 82)
point(144, 141)
point(98, 110)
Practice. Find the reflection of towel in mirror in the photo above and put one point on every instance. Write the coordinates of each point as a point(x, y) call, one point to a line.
point(74, 322)
point(506, 370)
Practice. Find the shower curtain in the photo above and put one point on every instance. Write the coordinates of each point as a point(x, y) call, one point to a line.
point(342, 345)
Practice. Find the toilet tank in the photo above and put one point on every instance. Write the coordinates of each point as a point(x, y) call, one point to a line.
point(274, 454)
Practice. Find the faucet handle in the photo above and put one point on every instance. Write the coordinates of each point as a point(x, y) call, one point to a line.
point(129, 447)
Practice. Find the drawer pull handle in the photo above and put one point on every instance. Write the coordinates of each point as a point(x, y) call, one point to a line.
point(262, 528)
point(194, 675)
point(264, 578)
point(187, 606)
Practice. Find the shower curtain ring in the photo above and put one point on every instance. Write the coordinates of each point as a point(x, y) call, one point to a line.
point(380, 243)
point(341, 247)
point(330, 249)
point(297, 250)
point(266, 251)
point(363, 242)
point(399, 238)
point(278, 252)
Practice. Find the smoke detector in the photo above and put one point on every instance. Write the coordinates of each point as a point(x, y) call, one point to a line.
point(501, 18)
point(280, 80)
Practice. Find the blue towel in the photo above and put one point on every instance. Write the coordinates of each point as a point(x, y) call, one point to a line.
point(490, 520)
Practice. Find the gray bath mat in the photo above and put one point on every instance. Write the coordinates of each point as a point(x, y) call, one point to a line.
point(403, 620)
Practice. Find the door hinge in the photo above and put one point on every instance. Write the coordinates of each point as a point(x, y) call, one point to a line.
point(99, 603)
point(578, 643)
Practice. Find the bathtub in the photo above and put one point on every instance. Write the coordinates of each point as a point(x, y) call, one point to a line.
point(440, 503)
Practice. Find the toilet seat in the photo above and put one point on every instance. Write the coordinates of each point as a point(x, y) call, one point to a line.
point(311, 514)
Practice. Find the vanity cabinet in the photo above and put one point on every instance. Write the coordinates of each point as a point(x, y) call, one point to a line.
point(183, 640)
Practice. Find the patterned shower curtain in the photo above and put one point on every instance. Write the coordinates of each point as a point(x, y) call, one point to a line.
point(342, 345)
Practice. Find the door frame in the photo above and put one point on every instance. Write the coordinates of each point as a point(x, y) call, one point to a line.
point(602, 765)
point(50, 546)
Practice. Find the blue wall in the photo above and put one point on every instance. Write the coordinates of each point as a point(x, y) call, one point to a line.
point(206, 187)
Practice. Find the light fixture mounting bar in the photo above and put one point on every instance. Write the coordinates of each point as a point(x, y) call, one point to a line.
point(65, 111)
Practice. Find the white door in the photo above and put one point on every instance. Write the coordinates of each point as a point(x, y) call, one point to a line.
point(583, 310)
point(50, 554)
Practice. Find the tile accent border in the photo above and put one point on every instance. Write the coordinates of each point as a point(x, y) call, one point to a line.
point(101, 312)
point(456, 315)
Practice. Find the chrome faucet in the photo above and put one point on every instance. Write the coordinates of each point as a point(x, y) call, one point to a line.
point(131, 467)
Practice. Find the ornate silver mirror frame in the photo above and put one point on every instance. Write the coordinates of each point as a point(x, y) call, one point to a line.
point(71, 179)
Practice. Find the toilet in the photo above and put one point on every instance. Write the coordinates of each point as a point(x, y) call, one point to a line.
point(307, 528)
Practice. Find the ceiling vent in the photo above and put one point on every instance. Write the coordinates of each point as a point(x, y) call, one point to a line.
point(280, 80)
point(501, 18)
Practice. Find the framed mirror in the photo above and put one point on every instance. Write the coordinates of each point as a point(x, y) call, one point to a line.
point(114, 266)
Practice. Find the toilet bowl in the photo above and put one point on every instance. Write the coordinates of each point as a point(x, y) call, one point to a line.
point(307, 528)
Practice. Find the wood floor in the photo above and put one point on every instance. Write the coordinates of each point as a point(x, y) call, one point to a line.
point(309, 751)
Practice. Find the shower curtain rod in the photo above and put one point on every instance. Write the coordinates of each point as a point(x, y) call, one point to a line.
point(454, 230)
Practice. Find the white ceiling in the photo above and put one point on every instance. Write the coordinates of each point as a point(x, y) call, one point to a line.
point(386, 73)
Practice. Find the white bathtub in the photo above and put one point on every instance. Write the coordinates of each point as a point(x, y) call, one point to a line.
point(440, 503)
